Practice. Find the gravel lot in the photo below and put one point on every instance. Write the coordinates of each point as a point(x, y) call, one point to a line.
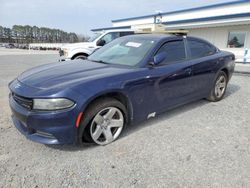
point(201, 144)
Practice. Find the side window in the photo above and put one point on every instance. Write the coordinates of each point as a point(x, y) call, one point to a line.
point(200, 49)
point(126, 33)
point(175, 51)
point(109, 37)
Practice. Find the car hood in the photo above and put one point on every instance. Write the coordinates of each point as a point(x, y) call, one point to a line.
point(68, 74)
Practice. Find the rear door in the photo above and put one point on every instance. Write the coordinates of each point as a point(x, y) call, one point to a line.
point(204, 59)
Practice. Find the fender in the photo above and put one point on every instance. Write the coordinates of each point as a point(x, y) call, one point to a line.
point(78, 50)
point(107, 92)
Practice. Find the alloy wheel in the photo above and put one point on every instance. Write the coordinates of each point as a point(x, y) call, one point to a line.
point(106, 125)
point(220, 86)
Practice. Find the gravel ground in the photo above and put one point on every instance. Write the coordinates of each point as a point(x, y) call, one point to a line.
point(201, 144)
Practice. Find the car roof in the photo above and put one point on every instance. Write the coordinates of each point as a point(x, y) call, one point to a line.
point(162, 37)
point(155, 37)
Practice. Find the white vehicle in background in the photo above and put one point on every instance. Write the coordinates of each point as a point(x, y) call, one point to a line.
point(83, 49)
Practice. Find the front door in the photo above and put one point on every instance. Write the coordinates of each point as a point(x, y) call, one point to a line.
point(171, 79)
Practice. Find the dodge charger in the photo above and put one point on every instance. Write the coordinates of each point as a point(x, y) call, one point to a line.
point(129, 80)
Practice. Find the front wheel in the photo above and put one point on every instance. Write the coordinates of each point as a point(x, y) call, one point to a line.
point(108, 118)
point(219, 88)
point(107, 125)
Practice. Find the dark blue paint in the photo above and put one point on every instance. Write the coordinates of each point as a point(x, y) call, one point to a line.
point(146, 88)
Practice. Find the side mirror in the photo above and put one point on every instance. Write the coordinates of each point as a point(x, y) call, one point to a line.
point(158, 58)
point(101, 42)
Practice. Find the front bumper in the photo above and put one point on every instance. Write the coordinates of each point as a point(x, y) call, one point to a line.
point(45, 127)
point(63, 56)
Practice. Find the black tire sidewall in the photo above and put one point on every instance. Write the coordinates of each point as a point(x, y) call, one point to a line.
point(213, 95)
point(97, 106)
point(81, 57)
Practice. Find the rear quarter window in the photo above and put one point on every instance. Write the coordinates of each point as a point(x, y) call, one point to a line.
point(200, 49)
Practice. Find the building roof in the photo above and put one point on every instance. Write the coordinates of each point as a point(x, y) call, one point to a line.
point(183, 10)
point(238, 16)
point(209, 18)
point(110, 28)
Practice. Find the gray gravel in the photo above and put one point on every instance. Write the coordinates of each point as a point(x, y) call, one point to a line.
point(201, 144)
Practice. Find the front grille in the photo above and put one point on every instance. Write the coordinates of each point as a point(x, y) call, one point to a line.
point(23, 101)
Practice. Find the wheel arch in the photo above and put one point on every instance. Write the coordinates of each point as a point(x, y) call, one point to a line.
point(118, 95)
point(80, 53)
point(226, 71)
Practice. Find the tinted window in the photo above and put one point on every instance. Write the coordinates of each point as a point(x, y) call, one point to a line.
point(200, 49)
point(126, 33)
point(175, 51)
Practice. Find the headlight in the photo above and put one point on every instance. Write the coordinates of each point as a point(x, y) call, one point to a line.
point(65, 52)
point(52, 104)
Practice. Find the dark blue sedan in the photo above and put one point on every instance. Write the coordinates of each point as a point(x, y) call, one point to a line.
point(128, 80)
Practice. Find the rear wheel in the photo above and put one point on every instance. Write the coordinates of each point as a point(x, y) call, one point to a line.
point(107, 118)
point(219, 88)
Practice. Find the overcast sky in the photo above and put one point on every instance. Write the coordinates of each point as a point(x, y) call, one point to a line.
point(82, 15)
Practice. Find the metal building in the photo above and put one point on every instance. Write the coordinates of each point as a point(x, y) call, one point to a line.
point(227, 25)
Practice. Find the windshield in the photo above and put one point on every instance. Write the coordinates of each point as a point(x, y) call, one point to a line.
point(123, 51)
point(95, 36)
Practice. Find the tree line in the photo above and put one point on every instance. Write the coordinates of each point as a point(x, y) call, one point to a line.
point(32, 34)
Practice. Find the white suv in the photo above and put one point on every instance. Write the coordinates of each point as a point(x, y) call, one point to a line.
point(83, 49)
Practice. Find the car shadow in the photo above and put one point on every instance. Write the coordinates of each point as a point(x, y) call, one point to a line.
point(232, 89)
point(73, 148)
point(163, 117)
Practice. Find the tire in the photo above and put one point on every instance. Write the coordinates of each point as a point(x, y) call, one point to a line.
point(219, 88)
point(96, 125)
point(80, 57)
